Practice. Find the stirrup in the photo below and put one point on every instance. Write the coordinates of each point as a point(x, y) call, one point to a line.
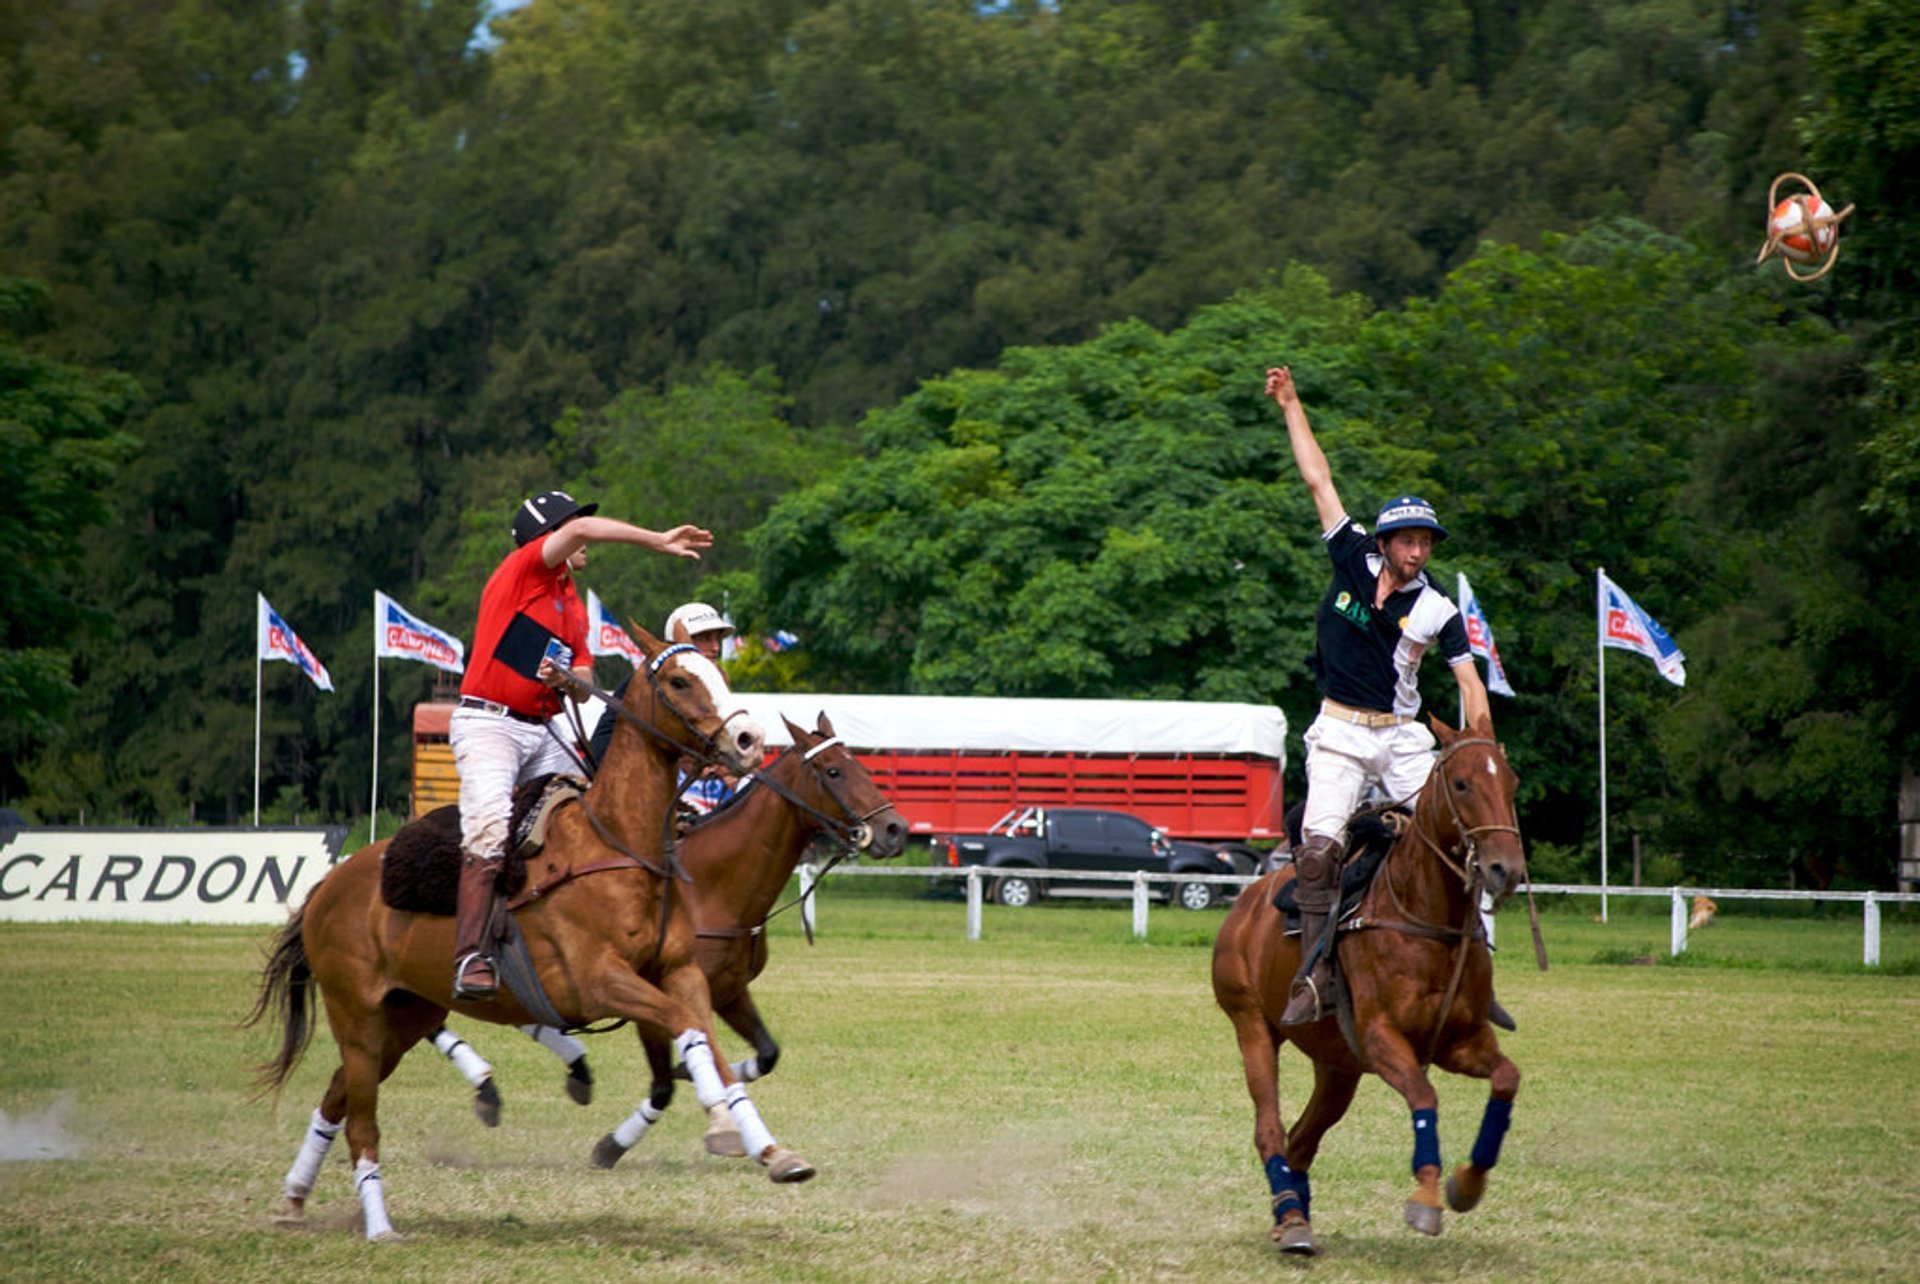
point(1304, 986)
point(477, 990)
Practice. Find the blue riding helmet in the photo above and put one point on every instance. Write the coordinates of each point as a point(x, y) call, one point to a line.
point(1408, 513)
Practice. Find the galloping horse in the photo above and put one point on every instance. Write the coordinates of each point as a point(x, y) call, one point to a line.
point(1416, 969)
point(741, 858)
point(606, 928)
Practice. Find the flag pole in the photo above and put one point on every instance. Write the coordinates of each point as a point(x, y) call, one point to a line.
point(1460, 595)
point(373, 802)
point(258, 665)
point(1600, 600)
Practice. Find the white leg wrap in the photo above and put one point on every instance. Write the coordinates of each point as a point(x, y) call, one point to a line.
point(746, 1117)
point(373, 1198)
point(564, 1046)
point(464, 1058)
point(313, 1153)
point(697, 1056)
point(629, 1133)
point(747, 1071)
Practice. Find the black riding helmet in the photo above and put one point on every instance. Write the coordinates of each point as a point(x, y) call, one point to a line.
point(544, 514)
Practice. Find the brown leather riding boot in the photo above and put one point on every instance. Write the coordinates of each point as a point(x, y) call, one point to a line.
point(1316, 891)
point(473, 975)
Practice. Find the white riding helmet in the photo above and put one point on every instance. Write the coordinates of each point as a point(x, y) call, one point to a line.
point(698, 618)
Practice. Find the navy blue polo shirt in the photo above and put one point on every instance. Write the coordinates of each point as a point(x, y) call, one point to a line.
point(1370, 658)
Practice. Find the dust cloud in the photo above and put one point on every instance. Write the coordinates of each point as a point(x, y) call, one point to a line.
point(39, 1136)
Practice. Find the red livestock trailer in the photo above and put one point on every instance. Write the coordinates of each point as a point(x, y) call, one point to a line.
point(955, 764)
point(1206, 771)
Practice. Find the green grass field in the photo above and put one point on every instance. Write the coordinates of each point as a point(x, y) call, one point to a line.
point(1054, 1101)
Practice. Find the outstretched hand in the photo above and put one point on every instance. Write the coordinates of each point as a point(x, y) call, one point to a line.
point(686, 541)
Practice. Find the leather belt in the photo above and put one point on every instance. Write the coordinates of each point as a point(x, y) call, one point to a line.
point(488, 706)
point(1361, 717)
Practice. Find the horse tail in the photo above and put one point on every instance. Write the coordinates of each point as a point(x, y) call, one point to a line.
point(286, 992)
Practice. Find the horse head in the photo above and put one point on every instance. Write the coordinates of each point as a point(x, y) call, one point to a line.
point(839, 784)
point(1473, 816)
point(686, 701)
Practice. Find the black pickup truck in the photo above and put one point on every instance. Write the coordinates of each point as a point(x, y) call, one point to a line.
point(1029, 840)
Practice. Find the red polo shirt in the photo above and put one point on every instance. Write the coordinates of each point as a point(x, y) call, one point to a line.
point(524, 585)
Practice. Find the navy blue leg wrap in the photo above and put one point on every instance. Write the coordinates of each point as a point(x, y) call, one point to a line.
point(1493, 1130)
point(1426, 1139)
point(1290, 1189)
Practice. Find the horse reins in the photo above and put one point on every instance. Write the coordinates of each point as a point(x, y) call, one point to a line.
point(1471, 874)
point(670, 869)
point(854, 835)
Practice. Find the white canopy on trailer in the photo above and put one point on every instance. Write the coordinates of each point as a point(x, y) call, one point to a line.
point(995, 723)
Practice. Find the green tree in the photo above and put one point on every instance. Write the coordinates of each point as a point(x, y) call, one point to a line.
point(1092, 521)
point(60, 442)
point(717, 453)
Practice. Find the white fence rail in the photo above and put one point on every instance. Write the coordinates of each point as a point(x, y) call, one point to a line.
point(977, 876)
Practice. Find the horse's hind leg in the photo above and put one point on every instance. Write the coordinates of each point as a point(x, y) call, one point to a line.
point(607, 1151)
point(371, 1042)
point(1481, 1058)
point(1259, 1062)
point(1333, 1091)
point(328, 1118)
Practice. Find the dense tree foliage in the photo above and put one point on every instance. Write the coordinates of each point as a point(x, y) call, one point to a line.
point(59, 445)
point(376, 279)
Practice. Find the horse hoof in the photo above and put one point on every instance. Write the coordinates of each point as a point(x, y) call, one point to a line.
point(784, 1167)
point(291, 1216)
point(387, 1237)
point(1296, 1237)
point(580, 1081)
point(1465, 1186)
point(1424, 1218)
point(725, 1142)
point(486, 1103)
point(607, 1152)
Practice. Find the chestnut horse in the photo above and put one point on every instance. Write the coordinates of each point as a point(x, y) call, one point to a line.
point(606, 926)
point(740, 859)
point(1414, 961)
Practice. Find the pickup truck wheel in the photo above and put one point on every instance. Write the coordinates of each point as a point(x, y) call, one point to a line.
point(1015, 891)
point(1195, 896)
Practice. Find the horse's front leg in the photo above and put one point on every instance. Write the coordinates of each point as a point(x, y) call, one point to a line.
point(607, 1151)
point(569, 1052)
point(714, 1082)
point(744, 1017)
point(1393, 1059)
point(1480, 1057)
point(723, 1137)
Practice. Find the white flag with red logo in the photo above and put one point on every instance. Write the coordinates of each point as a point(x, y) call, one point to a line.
point(606, 635)
point(1480, 639)
point(278, 642)
point(405, 636)
point(1623, 624)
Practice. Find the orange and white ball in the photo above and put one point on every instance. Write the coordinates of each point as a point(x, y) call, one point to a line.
point(1804, 228)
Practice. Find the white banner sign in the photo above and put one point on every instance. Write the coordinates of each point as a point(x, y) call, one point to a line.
point(196, 875)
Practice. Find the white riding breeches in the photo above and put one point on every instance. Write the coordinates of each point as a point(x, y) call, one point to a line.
point(1344, 758)
point(493, 754)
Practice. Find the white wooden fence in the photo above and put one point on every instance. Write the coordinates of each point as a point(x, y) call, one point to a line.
point(976, 876)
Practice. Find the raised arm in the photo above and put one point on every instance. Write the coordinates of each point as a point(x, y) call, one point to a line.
point(1307, 455)
point(681, 541)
